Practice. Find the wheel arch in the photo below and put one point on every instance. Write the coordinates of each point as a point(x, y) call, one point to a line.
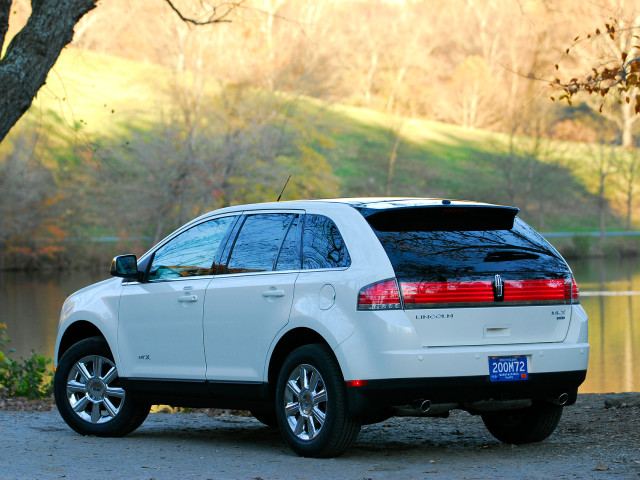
point(288, 343)
point(76, 332)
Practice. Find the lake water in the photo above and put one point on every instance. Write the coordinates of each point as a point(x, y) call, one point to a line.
point(610, 288)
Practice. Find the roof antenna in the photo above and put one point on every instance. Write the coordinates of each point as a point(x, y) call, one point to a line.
point(285, 186)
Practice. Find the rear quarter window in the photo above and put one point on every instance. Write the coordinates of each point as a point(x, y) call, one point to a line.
point(323, 246)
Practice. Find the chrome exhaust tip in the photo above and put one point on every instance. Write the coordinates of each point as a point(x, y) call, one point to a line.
point(425, 406)
point(562, 399)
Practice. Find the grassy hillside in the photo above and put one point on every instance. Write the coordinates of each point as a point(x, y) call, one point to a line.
point(93, 97)
point(92, 94)
point(441, 160)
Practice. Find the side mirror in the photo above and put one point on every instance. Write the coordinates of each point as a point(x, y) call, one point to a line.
point(125, 266)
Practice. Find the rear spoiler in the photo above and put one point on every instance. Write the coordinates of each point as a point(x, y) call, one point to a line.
point(441, 218)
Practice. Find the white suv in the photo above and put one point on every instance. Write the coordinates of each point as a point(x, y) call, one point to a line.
point(321, 316)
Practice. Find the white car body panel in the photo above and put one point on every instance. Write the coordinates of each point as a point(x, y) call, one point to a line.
point(389, 347)
point(502, 325)
point(240, 322)
point(160, 329)
point(97, 304)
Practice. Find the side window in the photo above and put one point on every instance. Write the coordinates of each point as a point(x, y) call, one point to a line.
point(289, 258)
point(323, 246)
point(191, 253)
point(258, 243)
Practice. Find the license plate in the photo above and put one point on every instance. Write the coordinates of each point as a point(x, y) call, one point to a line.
point(508, 369)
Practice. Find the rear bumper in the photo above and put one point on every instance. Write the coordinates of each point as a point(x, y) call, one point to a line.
point(377, 396)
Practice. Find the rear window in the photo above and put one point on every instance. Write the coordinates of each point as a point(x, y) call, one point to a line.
point(464, 244)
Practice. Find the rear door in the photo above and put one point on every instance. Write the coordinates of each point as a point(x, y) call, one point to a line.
point(250, 302)
point(474, 277)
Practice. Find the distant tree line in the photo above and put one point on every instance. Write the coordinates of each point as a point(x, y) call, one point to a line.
point(471, 64)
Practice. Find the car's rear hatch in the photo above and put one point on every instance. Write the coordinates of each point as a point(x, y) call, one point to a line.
point(475, 275)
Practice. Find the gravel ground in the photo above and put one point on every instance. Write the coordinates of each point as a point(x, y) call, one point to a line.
point(591, 442)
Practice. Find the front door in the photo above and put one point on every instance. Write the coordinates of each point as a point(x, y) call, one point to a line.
point(160, 329)
point(160, 320)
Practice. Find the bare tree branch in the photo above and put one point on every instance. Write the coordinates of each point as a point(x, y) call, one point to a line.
point(213, 18)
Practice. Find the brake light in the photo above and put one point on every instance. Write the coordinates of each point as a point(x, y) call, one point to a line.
point(510, 292)
point(535, 290)
point(380, 296)
point(417, 293)
point(575, 291)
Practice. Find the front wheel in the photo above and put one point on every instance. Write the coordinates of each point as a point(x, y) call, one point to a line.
point(89, 395)
point(528, 425)
point(311, 404)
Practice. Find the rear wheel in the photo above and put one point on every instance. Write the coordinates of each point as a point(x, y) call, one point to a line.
point(529, 425)
point(311, 404)
point(89, 395)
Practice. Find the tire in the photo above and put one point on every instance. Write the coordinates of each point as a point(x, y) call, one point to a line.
point(88, 393)
point(311, 404)
point(530, 425)
point(266, 417)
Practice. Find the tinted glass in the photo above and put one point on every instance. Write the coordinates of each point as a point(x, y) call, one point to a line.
point(442, 256)
point(323, 246)
point(441, 218)
point(191, 253)
point(289, 258)
point(258, 242)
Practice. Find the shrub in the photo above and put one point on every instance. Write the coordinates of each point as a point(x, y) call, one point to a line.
point(28, 377)
point(582, 245)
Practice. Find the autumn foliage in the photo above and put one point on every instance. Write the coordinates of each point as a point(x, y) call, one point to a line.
point(147, 121)
point(618, 76)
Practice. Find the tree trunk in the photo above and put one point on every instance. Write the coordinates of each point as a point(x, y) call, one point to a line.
point(392, 162)
point(5, 9)
point(628, 119)
point(370, 75)
point(602, 208)
point(33, 52)
point(627, 223)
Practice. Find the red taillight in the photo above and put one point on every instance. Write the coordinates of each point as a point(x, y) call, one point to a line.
point(384, 295)
point(416, 293)
point(535, 290)
point(380, 296)
point(575, 291)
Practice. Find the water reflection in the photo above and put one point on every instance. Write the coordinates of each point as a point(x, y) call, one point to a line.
point(30, 306)
point(611, 296)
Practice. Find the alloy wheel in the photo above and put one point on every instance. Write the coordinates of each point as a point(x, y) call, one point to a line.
point(92, 390)
point(305, 400)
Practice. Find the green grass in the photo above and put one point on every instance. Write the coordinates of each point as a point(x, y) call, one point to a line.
point(440, 160)
point(91, 97)
point(98, 94)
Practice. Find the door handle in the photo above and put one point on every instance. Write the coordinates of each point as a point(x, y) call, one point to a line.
point(273, 293)
point(188, 298)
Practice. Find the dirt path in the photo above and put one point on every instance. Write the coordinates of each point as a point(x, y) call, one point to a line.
point(591, 442)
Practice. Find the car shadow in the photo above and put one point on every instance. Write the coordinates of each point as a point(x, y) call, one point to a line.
point(398, 440)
